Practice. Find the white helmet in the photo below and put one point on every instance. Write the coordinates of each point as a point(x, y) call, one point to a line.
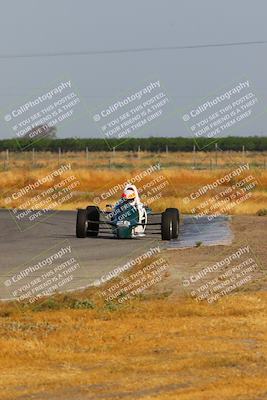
point(128, 195)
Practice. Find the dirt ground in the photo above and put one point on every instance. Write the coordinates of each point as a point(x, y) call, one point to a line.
point(247, 230)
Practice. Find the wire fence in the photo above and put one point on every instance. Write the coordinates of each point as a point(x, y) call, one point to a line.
point(195, 160)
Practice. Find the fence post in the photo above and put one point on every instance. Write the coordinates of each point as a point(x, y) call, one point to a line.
point(33, 156)
point(7, 159)
point(59, 155)
point(139, 150)
point(194, 156)
point(216, 155)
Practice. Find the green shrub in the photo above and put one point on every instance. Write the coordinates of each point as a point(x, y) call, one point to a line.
point(49, 304)
point(83, 304)
point(262, 212)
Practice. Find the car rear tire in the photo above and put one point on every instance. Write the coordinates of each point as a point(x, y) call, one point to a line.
point(176, 221)
point(169, 224)
point(81, 224)
point(93, 214)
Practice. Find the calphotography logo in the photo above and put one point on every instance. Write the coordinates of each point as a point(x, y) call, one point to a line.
point(56, 270)
point(221, 114)
point(134, 112)
point(39, 199)
point(40, 116)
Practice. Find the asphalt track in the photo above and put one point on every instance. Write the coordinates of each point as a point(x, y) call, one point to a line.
point(96, 257)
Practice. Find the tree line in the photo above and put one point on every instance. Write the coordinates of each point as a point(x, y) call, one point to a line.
point(152, 144)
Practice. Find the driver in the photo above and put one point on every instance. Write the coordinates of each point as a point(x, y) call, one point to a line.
point(132, 207)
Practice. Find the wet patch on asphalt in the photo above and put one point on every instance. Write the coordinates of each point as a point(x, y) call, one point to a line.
point(203, 231)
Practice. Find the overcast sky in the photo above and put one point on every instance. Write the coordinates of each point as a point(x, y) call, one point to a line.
point(34, 27)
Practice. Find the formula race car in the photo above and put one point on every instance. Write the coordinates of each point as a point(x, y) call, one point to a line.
point(127, 219)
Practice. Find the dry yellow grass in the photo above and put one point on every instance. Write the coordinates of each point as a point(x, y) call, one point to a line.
point(95, 176)
point(152, 349)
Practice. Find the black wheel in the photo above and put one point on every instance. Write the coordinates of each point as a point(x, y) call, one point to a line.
point(93, 214)
point(169, 224)
point(176, 221)
point(81, 224)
